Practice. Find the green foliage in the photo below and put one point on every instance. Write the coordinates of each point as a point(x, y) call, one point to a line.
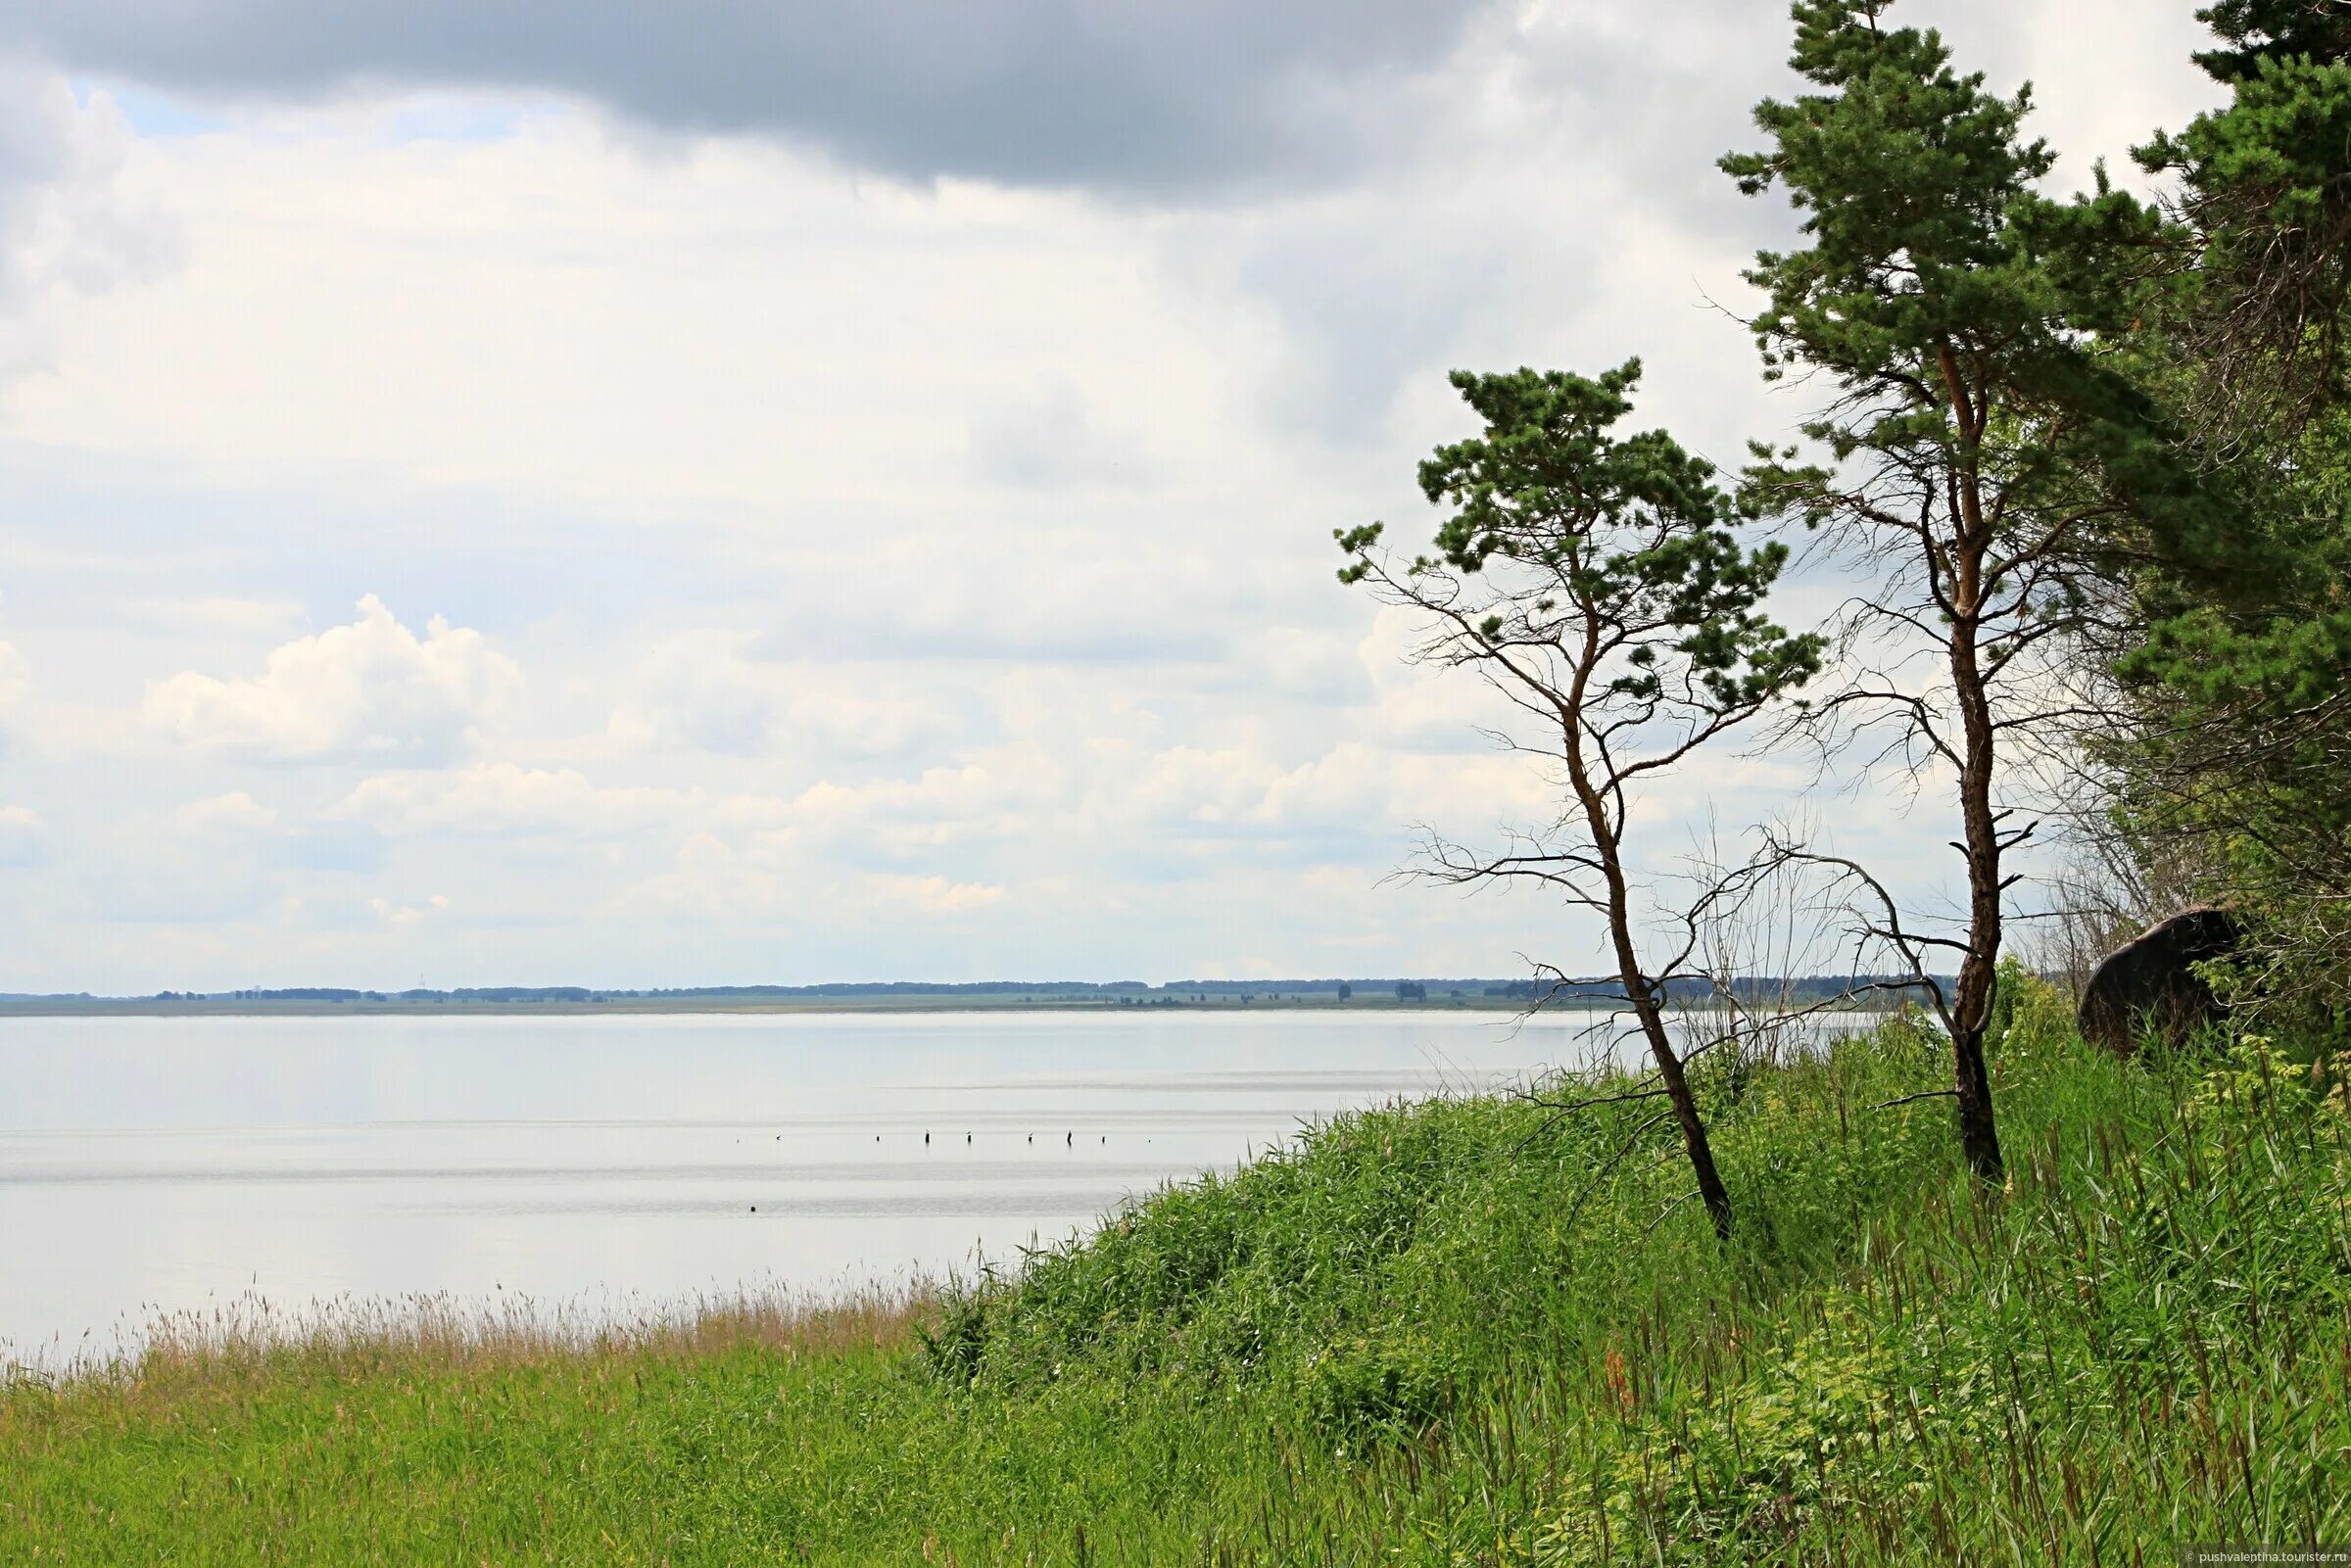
point(952, 1346)
point(1367, 1389)
point(2256, 34)
point(1910, 176)
point(2256, 336)
point(2269, 166)
point(2240, 761)
point(1969, 320)
point(1763, 1458)
point(2035, 1015)
point(1626, 547)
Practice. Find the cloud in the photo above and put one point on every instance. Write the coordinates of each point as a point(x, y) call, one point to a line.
point(24, 839)
point(711, 692)
point(772, 885)
point(66, 224)
point(371, 691)
point(1189, 785)
point(1051, 439)
point(503, 799)
point(398, 915)
point(234, 812)
point(204, 861)
point(1363, 306)
point(1311, 666)
point(217, 616)
point(996, 520)
point(16, 686)
point(932, 895)
point(1009, 794)
point(1126, 95)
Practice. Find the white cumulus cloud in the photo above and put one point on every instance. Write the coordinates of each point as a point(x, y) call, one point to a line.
point(931, 895)
point(775, 887)
point(233, 812)
point(396, 914)
point(710, 691)
point(369, 690)
point(502, 798)
point(66, 226)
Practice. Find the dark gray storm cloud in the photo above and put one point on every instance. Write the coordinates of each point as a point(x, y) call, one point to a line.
point(1140, 95)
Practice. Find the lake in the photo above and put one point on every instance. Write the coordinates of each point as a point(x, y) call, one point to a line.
point(608, 1166)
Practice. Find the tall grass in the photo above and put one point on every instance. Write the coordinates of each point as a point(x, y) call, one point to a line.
point(1466, 1331)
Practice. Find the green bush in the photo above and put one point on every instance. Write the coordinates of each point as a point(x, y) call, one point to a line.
point(1373, 1389)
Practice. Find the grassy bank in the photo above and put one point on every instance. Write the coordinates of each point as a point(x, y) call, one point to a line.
point(1461, 1332)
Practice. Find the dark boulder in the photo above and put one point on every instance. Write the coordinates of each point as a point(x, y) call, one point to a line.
point(2149, 984)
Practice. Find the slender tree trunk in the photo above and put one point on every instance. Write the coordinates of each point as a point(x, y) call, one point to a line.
point(1971, 1005)
point(1694, 1141)
point(1644, 999)
point(1972, 1000)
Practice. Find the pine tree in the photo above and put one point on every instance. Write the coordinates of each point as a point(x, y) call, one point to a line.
point(1985, 450)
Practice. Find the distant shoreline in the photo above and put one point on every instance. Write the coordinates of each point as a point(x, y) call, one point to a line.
point(655, 1007)
point(687, 1007)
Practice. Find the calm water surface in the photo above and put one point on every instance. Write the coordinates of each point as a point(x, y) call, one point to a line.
point(612, 1164)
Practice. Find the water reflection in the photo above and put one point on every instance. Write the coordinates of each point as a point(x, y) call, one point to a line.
point(169, 1163)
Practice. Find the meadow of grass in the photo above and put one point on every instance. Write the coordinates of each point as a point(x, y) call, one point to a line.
point(1465, 1331)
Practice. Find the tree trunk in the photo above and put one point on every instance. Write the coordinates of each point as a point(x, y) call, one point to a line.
point(1637, 988)
point(1644, 999)
point(1695, 1142)
point(1607, 842)
point(1972, 1079)
point(1971, 1004)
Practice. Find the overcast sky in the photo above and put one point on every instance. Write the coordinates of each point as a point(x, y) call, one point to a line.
point(637, 493)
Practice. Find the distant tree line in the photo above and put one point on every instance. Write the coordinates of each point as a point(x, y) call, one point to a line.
point(1806, 987)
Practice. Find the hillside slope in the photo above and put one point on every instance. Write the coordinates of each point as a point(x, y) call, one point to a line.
point(1469, 1331)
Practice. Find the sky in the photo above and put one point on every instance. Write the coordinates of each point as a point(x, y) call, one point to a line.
point(639, 492)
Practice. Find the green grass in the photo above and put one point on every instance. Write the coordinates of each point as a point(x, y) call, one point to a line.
point(1459, 1332)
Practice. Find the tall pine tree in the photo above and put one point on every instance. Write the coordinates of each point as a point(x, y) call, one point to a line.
point(1984, 453)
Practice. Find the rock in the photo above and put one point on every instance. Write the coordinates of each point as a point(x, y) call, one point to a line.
point(2148, 983)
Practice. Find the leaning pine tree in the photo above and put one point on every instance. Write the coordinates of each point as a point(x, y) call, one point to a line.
point(1597, 583)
